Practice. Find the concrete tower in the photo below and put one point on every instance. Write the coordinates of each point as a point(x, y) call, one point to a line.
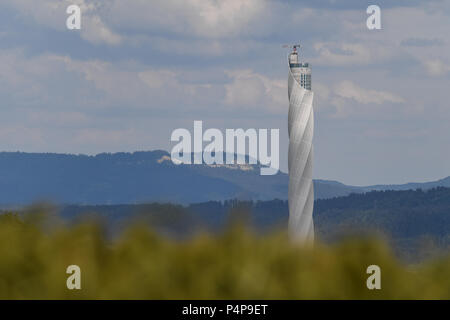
point(301, 129)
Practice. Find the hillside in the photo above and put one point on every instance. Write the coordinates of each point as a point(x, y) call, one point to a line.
point(410, 219)
point(142, 177)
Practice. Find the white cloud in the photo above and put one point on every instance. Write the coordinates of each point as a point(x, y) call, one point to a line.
point(52, 14)
point(53, 81)
point(436, 67)
point(115, 22)
point(349, 90)
point(156, 79)
point(321, 95)
point(203, 18)
point(346, 99)
point(347, 54)
point(95, 31)
point(252, 90)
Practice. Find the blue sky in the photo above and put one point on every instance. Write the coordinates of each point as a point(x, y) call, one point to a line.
point(139, 69)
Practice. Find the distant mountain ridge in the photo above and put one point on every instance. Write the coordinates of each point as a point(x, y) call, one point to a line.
point(149, 176)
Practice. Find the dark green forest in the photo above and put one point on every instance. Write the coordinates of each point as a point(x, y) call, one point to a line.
point(415, 222)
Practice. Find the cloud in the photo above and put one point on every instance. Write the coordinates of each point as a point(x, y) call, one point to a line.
point(347, 54)
point(52, 81)
point(357, 4)
point(322, 95)
point(348, 90)
point(436, 67)
point(158, 79)
point(346, 99)
point(52, 14)
point(201, 18)
point(248, 89)
point(95, 31)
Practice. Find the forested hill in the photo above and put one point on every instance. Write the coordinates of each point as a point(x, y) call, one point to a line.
point(401, 214)
point(388, 199)
point(147, 176)
point(406, 217)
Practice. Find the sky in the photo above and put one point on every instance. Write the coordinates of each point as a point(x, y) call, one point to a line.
point(139, 69)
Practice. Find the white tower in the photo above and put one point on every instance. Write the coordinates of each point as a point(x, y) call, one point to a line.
point(301, 129)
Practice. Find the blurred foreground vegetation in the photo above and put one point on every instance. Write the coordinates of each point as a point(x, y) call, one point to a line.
point(235, 264)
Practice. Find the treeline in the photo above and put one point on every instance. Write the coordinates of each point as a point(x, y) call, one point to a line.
point(412, 220)
point(401, 213)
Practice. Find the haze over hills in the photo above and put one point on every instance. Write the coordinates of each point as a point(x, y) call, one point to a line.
point(149, 176)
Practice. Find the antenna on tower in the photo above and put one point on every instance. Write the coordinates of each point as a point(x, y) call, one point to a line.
point(293, 46)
